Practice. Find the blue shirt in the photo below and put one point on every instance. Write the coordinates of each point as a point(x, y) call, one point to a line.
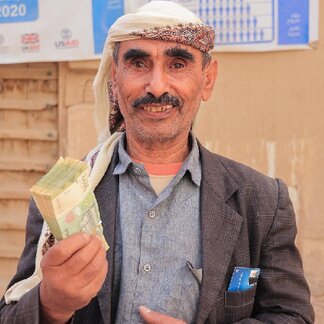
point(155, 238)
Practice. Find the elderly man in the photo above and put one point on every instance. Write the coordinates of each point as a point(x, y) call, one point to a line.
point(180, 221)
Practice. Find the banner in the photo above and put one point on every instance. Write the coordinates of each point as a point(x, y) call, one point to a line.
point(64, 30)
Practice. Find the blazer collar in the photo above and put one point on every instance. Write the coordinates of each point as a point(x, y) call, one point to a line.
point(220, 227)
point(216, 175)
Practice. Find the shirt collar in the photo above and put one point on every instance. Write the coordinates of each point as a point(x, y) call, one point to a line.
point(124, 159)
point(191, 164)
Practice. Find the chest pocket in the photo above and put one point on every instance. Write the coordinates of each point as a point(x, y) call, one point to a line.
point(239, 298)
point(232, 307)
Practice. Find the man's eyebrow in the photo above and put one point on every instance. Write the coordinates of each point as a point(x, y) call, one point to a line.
point(179, 52)
point(135, 53)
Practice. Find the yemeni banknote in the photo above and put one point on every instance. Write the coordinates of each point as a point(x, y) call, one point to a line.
point(66, 202)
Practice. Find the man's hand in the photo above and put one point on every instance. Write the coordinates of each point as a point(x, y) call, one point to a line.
point(151, 317)
point(74, 270)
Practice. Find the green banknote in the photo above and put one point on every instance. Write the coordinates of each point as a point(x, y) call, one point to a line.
point(66, 201)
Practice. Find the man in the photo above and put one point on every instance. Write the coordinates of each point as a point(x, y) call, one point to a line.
point(178, 218)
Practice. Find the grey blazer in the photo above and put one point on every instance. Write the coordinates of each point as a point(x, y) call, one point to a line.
point(247, 220)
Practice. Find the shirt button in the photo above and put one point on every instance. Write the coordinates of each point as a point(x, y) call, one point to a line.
point(147, 268)
point(151, 214)
point(137, 170)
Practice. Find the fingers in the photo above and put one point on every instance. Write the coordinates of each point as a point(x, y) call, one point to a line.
point(97, 268)
point(79, 270)
point(151, 317)
point(64, 249)
point(73, 272)
point(91, 256)
point(96, 283)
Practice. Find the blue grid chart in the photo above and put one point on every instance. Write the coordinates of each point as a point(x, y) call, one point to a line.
point(239, 22)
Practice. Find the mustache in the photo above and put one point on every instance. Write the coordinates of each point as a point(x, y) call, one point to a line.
point(149, 98)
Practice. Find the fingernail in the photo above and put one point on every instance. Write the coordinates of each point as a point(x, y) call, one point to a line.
point(145, 309)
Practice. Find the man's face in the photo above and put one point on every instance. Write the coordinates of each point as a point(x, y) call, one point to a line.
point(159, 86)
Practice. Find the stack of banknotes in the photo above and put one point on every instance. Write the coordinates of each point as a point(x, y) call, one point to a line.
point(66, 202)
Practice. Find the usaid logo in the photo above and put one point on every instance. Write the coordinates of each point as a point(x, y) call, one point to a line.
point(66, 41)
point(66, 34)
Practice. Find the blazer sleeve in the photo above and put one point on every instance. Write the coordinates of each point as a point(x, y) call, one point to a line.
point(283, 295)
point(26, 310)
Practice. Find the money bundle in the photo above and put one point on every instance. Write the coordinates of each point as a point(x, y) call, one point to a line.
point(66, 201)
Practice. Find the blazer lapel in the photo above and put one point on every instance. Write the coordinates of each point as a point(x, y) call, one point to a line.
point(106, 193)
point(220, 227)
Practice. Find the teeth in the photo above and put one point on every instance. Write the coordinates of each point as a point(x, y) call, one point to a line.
point(157, 109)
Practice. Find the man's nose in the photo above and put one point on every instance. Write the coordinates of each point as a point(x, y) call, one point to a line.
point(157, 83)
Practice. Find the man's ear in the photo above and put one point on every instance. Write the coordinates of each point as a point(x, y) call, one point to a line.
point(210, 76)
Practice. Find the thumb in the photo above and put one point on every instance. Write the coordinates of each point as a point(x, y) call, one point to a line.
point(64, 249)
point(151, 317)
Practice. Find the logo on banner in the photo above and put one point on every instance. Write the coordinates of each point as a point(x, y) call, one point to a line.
point(66, 34)
point(67, 40)
point(30, 42)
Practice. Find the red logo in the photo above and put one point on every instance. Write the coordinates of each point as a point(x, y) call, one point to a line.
point(30, 38)
point(30, 42)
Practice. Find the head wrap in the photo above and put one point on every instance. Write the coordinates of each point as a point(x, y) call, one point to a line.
point(160, 20)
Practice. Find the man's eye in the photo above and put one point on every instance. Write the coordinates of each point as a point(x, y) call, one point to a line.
point(178, 65)
point(138, 64)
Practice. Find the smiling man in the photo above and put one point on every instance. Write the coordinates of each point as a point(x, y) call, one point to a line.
point(194, 237)
point(159, 86)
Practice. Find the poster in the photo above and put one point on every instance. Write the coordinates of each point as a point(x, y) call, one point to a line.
point(57, 30)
